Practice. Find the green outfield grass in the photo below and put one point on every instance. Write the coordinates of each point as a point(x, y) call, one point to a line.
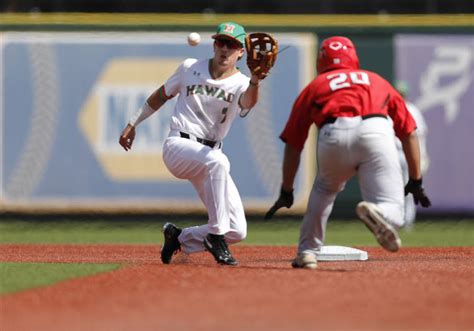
point(18, 276)
point(278, 232)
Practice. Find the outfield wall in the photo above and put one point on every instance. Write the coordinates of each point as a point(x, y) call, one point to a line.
point(67, 96)
point(70, 82)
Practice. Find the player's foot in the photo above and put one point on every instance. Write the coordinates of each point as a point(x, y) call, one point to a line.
point(305, 261)
point(385, 234)
point(217, 246)
point(171, 244)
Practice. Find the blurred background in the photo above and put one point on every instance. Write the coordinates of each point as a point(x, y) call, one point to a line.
point(246, 6)
point(73, 72)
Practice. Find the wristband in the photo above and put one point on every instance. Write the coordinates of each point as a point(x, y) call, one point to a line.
point(141, 114)
point(417, 182)
point(253, 84)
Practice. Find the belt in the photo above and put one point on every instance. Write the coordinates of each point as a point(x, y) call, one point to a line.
point(332, 119)
point(206, 142)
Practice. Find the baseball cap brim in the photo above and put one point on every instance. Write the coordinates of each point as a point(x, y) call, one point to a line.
point(226, 36)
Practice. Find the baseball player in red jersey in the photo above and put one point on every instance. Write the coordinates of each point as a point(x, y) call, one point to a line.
point(350, 107)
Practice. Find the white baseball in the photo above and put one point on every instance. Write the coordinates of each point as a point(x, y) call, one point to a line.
point(194, 38)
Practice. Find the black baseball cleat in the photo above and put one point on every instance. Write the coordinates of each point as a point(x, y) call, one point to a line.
point(217, 246)
point(171, 245)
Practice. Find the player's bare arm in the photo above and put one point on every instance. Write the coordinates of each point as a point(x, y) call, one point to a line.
point(411, 148)
point(158, 98)
point(153, 103)
point(250, 97)
point(291, 162)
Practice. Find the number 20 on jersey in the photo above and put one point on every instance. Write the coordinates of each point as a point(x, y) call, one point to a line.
point(344, 80)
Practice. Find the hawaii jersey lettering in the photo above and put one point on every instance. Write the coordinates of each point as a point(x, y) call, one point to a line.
point(212, 91)
point(205, 107)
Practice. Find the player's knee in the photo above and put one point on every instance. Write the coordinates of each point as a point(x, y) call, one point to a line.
point(242, 234)
point(236, 235)
point(328, 188)
point(219, 167)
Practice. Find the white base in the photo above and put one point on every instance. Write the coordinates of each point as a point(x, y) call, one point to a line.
point(342, 253)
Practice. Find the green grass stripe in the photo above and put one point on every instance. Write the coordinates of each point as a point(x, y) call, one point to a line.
point(279, 232)
point(354, 233)
point(299, 20)
point(80, 232)
point(20, 276)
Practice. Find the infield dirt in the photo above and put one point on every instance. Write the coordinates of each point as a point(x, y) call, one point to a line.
point(414, 289)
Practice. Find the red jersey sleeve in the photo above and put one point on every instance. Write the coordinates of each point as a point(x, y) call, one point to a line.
point(403, 122)
point(299, 122)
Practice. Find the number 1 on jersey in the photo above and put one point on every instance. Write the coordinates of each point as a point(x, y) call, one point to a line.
point(224, 112)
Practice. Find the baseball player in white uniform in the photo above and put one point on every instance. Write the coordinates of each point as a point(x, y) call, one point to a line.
point(211, 94)
point(422, 132)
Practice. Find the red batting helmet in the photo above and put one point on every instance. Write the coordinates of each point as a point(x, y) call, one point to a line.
point(337, 53)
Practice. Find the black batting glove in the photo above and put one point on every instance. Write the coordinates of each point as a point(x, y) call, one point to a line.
point(284, 200)
point(415, 187)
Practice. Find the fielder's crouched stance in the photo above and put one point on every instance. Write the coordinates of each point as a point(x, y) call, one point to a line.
point(211, 93)
point(350, 107)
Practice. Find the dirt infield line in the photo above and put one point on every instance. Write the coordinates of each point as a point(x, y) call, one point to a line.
point(415, 289)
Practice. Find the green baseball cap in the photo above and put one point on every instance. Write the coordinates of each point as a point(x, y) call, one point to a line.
point(231, 30)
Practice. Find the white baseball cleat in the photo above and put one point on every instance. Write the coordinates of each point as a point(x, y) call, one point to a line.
point(385, 234)
point(305, 261)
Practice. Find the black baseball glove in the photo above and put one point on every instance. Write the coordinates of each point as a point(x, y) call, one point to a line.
point(415, 187)
point(284, 200)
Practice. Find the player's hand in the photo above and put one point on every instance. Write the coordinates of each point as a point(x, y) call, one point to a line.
point(415, 187)
point(284, 200)
point(127, 137)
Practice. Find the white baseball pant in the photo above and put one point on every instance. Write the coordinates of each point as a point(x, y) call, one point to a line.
point(410, 207)
point(347, 147)
point(208, 169)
